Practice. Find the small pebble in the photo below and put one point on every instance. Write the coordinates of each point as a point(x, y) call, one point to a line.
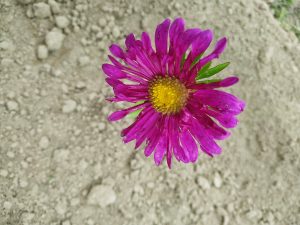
point(102, 195)
point(75, 201)
point(203, 183)
point(44, 142)
point(6, 45)
point(7, 205)
point(69, 106)
point(102, 22)
point(101, 126)
point(254, 215)
point(11, 95)
point(24, 164)
point(217, 180)
point(66, 222)
point(80, 85)
point(177, 6)
point(83, 60)
point(99, 34)
point(23, 183)
point(61, 21)
point(12, 106)
point(54, 39)
point(3, 173)
point(56, 72)
point(10, 155)
point(54, 6)
point(65, 88)
point(25, 2)
point(41, 10)
point(90, 222)
point(116, 32)
point(42, 52)
point(61, 208)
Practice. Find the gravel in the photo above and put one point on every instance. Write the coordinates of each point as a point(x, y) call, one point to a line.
point(54, 39)
point(12, 106)
point(44, 142)
point(101, 195)
point(41, 10)
point(42, 52)
point(61, 21)
point(69, 106)
point(83, 60)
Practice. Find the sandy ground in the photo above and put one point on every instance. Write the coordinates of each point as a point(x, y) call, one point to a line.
point(62, 163)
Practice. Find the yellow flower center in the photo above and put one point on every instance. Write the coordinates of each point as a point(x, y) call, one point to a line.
point(167, 94)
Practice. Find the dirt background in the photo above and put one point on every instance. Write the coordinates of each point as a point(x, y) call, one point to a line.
point(62, 163)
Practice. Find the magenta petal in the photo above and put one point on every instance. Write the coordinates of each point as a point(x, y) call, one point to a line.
point(160, 150)
point(187, 38)
point(178, 151)
point(199, 46)
point(130, 41)
point(161, 37)
point(146, 41)
point(227, 82)
point(176, 29)
point(117, 51)
point(183, 43)
point(210, 126)
point(151, 145)
point(115, 62)
point(113, 82)
point(180, 154)
point(146, 129)
point(228, 121)
point(220, 46)
point(122, 113)
point(188, 143)
point(169, 157)
point(131, 132)
point(113, 71)
point(220, 100)
point(207, 144)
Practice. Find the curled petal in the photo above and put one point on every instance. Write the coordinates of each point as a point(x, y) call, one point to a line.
point(220, 100)
point(226, 120)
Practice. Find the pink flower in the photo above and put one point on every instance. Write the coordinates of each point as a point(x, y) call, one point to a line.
point(180, 109)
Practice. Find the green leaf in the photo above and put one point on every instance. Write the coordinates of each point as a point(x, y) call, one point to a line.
point(196, 60)
point(182, 60)
point(207, 81)
point(204, 69)
point(212, 71)
point(134, 114)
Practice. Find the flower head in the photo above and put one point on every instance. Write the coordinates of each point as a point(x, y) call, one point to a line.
point(179, 107)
